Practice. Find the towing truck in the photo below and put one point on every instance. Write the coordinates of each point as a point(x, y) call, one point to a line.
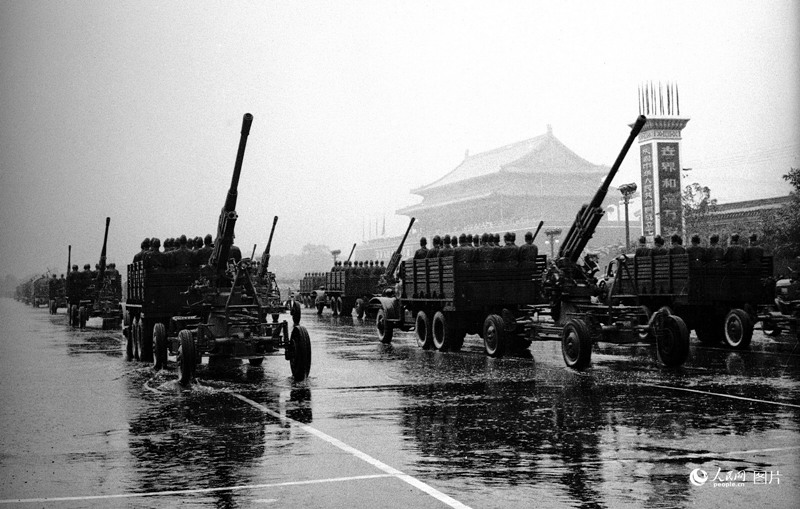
point(512, 305)
point(213, 310)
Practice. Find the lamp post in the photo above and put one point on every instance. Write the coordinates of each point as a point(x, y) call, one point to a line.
point(551, 234)
point(627, 191)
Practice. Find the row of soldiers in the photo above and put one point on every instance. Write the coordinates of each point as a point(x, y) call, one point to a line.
point(77, 281)
point(735, 253)
point(359, 267)
point(467, 248)
point(178, 252)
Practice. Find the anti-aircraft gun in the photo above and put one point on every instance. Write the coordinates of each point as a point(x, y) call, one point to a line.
point(98, 295)
point(574, 310)
point(264, 281)
point(224, 317)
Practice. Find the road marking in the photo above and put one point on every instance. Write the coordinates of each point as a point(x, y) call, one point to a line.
point(720, 395)
point(191, 491)
point(430, 490)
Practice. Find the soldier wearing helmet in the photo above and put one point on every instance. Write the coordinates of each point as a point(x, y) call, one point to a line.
point(422, 252)
point(145, 248)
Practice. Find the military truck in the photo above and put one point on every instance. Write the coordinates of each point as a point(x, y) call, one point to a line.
point(215, 309)
point(717, 299)
point(311, 282)
point(56, 292)
point(511, 305)
point(40, 291)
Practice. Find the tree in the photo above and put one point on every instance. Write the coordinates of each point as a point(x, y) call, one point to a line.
point(698, 207)
point(782, 226)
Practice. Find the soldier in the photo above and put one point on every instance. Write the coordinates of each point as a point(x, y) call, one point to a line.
point(182, 256)
point(642, 249)
point(485, 254)
point(476, 241)
point(735, 252)
point(464, 252)
point(753, 253)
point(447, 248)
point(590, 266)
point(154, 258)
point(714, 253)
point(197, 243)
point(696, 252)
point(204, 253)
point(676, 245)
point(528, 251)
point(145, 248)
point(437, 245)
point(422, 252)
point(658, 247)
point(454, 242)
point(510, 251)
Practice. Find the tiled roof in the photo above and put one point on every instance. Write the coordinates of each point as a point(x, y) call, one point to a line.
point(544, 154)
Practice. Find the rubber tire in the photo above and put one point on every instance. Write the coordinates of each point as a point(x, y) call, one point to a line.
point(423, 330)
point(672, 344)
point(384, 327)
point(738, 329)
point(83, 315)
point(320, 307)
point(52, 306)
point(442, 336)
point(494, 336)
point(300, 362)
point(73, 315)
point(186, 357)
point(576, 344)
point(160, 346)
point(360, 308)
point(258, 361)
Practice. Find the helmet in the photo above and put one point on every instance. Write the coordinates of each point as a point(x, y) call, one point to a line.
point(208, 240)
point(146, 243)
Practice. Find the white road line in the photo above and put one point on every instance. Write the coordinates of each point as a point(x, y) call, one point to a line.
point(191, 491)
point(720, 395)
point(430, 490)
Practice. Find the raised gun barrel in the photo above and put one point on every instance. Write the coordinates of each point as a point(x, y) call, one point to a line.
point(227, 217)
point(69, 257)
point(102, 270)
point(351, 252)
point(589, 216)
point(262, 270)
point(541, 223)
point(397, 255)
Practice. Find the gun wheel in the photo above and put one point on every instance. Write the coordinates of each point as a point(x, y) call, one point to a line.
point(672, 341)
point(738, 329)
point(300, 361)
point(384, 327)
point(186, 357)
point(576, 344)
point(494, 336)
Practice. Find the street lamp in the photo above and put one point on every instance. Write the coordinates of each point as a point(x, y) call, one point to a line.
point(551, 234)
point(627, 190)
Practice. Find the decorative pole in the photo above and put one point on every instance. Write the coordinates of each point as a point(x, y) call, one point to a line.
point(627, 191)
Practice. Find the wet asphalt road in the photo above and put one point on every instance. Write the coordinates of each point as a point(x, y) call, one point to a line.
point(392, 425)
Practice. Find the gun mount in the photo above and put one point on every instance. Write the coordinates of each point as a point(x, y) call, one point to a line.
point(227, 216)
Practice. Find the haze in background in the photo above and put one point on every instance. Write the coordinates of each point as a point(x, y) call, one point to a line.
point(132, 109)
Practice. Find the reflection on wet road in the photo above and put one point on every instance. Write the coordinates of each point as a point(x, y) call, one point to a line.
point(394, 426)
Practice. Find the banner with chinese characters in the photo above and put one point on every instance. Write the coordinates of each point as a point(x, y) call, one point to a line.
point(669, 189)
point(648, 191)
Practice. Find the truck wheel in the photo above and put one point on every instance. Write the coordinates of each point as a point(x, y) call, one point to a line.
point(672, 343)
point(576, 344)
point(494, 336)
point(442, 333)
point(160, 344)
point(83, 315)
point(385, 328)
point(146, 340)
point(52, 306)
point(320, 307)
point(73, 315)
point(186, 357)
point(360, 308)
point(301, 360)
point(738, 329)
point(422, 326)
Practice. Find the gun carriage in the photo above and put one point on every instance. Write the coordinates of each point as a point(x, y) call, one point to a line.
point(511, 304)
point(224, 308)
point(783, 312)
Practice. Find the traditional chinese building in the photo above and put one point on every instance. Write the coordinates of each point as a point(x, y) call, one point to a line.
point(510, 188)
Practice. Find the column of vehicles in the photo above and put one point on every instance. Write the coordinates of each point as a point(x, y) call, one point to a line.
point(511, 300)
point(209, 301)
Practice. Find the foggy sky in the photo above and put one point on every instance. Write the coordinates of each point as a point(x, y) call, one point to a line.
point(132, 109)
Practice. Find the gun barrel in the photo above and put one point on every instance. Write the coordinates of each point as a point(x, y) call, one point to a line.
point(230, 201)
point(69, 257)
point(262, 270)
point(351, 252)
point(589, 216)
point(537, 230)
